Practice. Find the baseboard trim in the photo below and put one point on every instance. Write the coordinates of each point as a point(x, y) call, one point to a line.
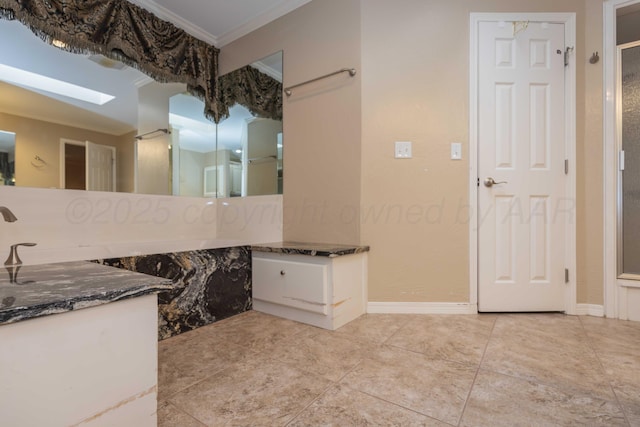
point(590, 310)
point(456, 308)
point(422, 308)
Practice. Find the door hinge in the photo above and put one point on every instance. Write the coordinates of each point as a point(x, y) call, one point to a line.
point(566, 166)
point(478, 183)
point(621, 160)
point(566, 275)
point(568, 51)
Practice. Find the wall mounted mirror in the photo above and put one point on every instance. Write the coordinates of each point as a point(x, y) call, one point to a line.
point(240, 156)
point(250, 146)
point(45, 131)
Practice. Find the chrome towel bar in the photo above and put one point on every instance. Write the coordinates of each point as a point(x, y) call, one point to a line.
point(263, 159)
point(153, 132)
point(351, 71)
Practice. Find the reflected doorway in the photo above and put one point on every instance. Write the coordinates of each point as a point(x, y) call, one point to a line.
point(87, 166)
point(7, 158)
point(74, 166)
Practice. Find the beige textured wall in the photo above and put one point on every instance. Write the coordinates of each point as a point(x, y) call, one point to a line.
point(414, 77)
point(125, 154)
point(414, 86)
point(321, 128)
point(590, 224)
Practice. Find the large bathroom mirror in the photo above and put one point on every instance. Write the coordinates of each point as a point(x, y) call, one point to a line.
point(246, 159)
point(98, 136)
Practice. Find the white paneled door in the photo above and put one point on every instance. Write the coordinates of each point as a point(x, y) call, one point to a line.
point(101, 165)
point(521, 152)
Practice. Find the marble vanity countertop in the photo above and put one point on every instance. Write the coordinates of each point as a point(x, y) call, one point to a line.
point(40, 290)
point(312, 249)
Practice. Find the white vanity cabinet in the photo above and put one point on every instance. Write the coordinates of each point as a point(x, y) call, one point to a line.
point(78, 346)
point(324, 291)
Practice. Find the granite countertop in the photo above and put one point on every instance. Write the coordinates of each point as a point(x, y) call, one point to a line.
point(39, 290)
point(312, 249)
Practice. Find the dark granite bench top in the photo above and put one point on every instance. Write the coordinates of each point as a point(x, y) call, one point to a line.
point(38, 290)
point(311, 249)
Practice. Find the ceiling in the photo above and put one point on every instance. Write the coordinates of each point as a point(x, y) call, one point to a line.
point(216, 21)
point(634, 8)
point(220, 22)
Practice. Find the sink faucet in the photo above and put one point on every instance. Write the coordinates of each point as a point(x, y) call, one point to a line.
point(13, 259)
point(7, 214)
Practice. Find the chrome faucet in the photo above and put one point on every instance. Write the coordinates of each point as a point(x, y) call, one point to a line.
point(7, 214)
point(13, 258)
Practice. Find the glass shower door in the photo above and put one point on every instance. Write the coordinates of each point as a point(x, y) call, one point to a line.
point(629, 161)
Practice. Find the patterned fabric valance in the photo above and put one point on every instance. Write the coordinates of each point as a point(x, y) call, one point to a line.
point(128, 33)
point(248, 86)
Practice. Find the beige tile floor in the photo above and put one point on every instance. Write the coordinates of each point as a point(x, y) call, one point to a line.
point(403, 370)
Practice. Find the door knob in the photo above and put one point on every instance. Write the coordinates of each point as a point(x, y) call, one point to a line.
point(489, 182)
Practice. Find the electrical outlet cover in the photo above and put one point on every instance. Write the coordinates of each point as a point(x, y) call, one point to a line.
point(403, 149)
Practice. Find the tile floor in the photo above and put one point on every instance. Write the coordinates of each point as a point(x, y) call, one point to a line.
point(403, 370)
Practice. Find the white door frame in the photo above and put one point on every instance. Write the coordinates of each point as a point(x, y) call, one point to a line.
point(569, 21)
point(615, 296)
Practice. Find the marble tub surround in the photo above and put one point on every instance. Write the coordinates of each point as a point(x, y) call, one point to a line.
point(310, 249)
point(208, 285)
point(32, 291)
point(403, 369)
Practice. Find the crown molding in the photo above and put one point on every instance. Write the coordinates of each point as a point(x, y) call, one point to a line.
point(253, 24)
point(260, 20)
point(177, 20)
point(142, 81)
point(269, 71)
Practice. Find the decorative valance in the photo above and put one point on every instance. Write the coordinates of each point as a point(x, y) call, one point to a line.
point(128, 33)
point(247, 86)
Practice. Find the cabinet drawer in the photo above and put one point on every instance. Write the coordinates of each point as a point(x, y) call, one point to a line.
point(290, 283)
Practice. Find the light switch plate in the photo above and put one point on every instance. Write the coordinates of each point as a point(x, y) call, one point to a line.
point(403, 149)
point(456, 151)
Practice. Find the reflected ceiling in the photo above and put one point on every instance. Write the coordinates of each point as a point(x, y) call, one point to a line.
point(44, 59)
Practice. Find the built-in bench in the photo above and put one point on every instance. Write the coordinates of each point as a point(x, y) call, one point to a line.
point(318, 284)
